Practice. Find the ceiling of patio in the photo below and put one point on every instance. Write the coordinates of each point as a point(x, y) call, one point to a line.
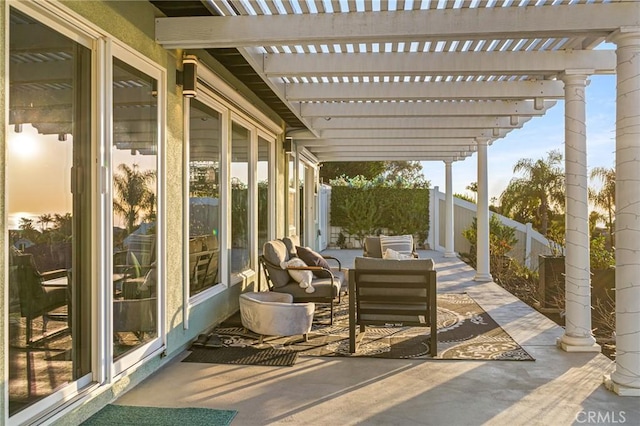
point(401, 80)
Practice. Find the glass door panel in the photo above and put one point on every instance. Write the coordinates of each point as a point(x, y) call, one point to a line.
point(135, 166)
point(48, 195)
point(264, 202)
point(240, 249)
point(205, 142)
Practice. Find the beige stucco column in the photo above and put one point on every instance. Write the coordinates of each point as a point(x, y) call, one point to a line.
point(448, 223)
point(482, 252)
point(577, 336)
point(625, 380)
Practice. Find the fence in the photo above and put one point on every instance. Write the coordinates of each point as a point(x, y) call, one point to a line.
point(530, 242)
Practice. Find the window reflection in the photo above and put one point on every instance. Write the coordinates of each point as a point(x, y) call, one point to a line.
point(240, 144)
point(205, 138)
point(48, 200)
point(291, 200)
point(263, 191)
point(134, 156)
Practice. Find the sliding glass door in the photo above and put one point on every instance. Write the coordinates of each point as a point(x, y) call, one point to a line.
point(48, 194)
point(134, 157)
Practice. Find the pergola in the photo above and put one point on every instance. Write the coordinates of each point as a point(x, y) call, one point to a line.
point(437, 81)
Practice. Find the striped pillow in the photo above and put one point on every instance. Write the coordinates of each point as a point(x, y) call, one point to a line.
point(401, 243)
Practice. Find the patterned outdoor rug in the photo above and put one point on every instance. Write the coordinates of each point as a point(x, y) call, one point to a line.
point(465, 331)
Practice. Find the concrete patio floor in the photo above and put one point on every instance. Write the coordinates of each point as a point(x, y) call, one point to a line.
point(558, 388)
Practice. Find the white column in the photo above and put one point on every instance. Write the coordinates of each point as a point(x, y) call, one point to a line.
point(482, 253)
point(577, 336)
point(625, 380)
point(448, 233)
point(435, 229)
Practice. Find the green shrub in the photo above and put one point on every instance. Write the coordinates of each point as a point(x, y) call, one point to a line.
point(601, 258)
point(502, 238)
point(362, 208)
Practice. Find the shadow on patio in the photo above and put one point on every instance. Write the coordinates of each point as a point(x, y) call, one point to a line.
point(558, 388)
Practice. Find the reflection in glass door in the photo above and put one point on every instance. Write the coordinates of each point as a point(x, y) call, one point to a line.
point(264, 207)
point(205, 146)
point(240, 146)
point(48, 195)
point(135, 166)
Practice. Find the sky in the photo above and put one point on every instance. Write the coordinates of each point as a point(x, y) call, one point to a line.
point(535, 139)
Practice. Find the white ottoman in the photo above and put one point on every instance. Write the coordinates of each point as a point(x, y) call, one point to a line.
point(275, 314)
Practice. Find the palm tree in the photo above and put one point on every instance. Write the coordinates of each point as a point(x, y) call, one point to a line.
point(539, 194)
point(473, 187)
point(27, 230)
point(132, 194)
point(62, 226)
point(605, 198)
point(44, 220)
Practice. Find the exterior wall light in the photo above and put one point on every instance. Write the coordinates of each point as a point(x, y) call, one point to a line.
point(189, 76)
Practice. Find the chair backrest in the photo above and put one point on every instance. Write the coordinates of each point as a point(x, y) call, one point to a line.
point(393, 291)
point(275, 252)
point(372, 247)
point(34, 300)
point(375, 246)
point(200, 264)
point(291, 242)
point(29, 284)
point(142, 249)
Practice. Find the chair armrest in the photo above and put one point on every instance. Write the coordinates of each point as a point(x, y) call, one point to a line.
point(334, 258)
point(57, 273)
point(306, 268)
point(312, 269)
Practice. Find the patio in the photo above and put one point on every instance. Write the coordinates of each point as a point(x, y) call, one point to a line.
point(558, 388)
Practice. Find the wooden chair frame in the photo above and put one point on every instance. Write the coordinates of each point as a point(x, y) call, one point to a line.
point(388, 306)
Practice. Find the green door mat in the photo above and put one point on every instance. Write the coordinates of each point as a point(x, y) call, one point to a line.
point(122, 415)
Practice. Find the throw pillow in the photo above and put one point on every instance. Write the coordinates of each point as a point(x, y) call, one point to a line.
point(400, 243)
point(291, 242)
point(312, 258)
point(395, 255)
point(303, 278)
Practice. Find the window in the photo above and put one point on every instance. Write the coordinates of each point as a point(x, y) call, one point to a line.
point(264, 195)
point(134, 157)
point(48, 195)
point(240, 217)
point(291, 197)
point(205, 146)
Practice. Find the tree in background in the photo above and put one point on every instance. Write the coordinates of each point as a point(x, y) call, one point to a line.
point(62, 227)
point(132, 194)
point(605, 197)
point(473, 188)
point(405, 173)
point(45, 220)
point(538, 196)
point(368, 169)
point(399, 172)
point(27, 230)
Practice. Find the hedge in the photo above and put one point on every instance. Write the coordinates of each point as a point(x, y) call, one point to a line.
point(400, 210)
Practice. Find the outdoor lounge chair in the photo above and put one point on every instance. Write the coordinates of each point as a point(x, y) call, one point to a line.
point(36, 298)
point(392, 292)
point(327, 288)
point(375, 245)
